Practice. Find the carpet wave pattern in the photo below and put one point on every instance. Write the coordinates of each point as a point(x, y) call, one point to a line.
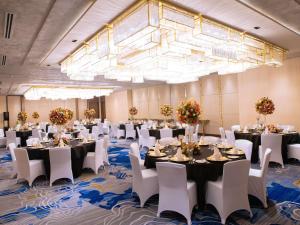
point(107, 198)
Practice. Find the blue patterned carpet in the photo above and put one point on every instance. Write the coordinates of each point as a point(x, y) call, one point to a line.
point(107, 198)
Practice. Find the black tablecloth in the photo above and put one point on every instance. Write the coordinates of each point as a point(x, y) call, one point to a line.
point(24, 135)
point(176, 132)
point(90, 126)
point(255, 138)
point(198, 172)
point(78, 153)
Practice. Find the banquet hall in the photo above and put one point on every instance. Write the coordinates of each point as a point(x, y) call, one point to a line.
point(140, 112)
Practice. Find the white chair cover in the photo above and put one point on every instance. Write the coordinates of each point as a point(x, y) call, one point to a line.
point(272, 141)
point(11, 137)
point(246, 146)
point(258, 179)
point(167, 141)
point(12, 147)
point(31, 141)
point(36, 133)
point(230, 137)
point(28, 169)
point(172, 181)
point(229, 193)
point(129, 131)
point(145, 182)
point(134, 149)
point(145, 139)
point(211, 139)
point(94, 160)
point(1, 133)
point(84, 133)
point(60, 164)
point(166, 132)
point(222, 133)
point(2, 138)
point(106, 146)
point(294, 151)
point(236, 128)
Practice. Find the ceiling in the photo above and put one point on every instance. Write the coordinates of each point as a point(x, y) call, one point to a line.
point(43, 33)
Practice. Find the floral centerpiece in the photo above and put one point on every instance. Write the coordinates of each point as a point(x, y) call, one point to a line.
point(58, 116)
point(133, 111)
point(22, 117)
point(274, 129)
point(265, 106)
point(69, 114)
point(188, 112)
point(35, 116)
point(166, 111)
point(89, 114)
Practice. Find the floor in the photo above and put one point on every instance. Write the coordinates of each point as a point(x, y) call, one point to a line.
point(106, 198)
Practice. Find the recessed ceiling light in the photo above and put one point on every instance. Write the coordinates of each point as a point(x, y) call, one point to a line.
point(256, 28)
point(74, 40)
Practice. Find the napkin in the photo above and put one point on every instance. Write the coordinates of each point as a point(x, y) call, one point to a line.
point(61, 143)
point(245, 129)
point(154, 126)
point(179, 154)
point(217, 154)
point(156, 149)
point(266, 131)
point(201, 141)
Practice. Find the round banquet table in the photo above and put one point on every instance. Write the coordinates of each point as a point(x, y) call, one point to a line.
point(23, 135)
point(74, 134)
point(196, 171)
point(255, 138)
point(78, 153)
point(176, 132)
point(90, 126)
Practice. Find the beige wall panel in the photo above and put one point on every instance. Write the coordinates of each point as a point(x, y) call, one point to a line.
point(229, 83)
point(14, 107)
point(117, 106)
point(210, 85)
point(230, 104)
point(193, 90)
point(82, 105)
point(2, 109)
point(280, 84)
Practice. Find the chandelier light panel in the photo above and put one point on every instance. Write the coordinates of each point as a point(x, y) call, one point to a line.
point(55, 93)
point(158, 41)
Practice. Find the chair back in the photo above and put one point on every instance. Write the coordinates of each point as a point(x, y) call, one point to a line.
point(95, 129)
point(84, 133)
point(236, 128)
point(172, 178)
point(272, 141)
point(129, 127)
point(22, 161)
point(31, 141)
point(52, 129)
point(12, 147)
point(265, 163)
point(36, 133)
point(167, 141)
point(11, 136)
point(230, 137)
point(43, 126)
point(246, 146)
point(136, 168)
point(60, 159)
point(1, 133)
point(138, 131)
point(222, 133)
point(166, 132)
point(100, 128)
point(134, 149)
point(99, 150)
point(188, 130)
point(144, 126)
point(231, 171)
point(105, 141)
point(145, 133)
point(211, 139)
point(196, 129)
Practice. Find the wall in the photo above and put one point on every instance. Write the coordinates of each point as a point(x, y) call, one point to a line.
point(117, 105)
point(281, 84)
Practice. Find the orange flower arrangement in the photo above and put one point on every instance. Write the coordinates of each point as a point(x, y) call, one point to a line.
point(35, 115)
point(22, 117)
point(133, 111)
point(58, 116)
point(265, 106)
point(69, 114)
point(166, 110)
point(89, 113)
point(188, 112)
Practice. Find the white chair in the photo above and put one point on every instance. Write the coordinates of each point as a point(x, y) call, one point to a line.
point(12, 147)
point(28, 169)
point(2, 138)
point(31, 141)
point(228, 193)
point(105, 146)
point(95, 159)
point(287, 128)
point(195, 135)
point(116, 132)
point(172, 181)
point(43, 126)
point(274, 142)
point(246, 146)
point(129, 131)
point(95, 132)
point(166, 132)
point(167, 141)
point(230, 137)
point(134, 149)
point(145, 139)
point(293, 151)
point(106, 127)
point(145, 182)
point(236, 128)
point(258, 179)
point(60, 164)
point(222, 133)
point(144, 126)
point(52, 129)
point(11, 137)
point(100, 128)
point(84, 133)
point(36, 133)
point(211, 139)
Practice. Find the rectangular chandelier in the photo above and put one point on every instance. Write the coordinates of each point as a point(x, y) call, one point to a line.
point(63, 93)
point(155, 40)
